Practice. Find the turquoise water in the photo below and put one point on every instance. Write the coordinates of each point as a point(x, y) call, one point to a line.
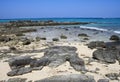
point(105, 24)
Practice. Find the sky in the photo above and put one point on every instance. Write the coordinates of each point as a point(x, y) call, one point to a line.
point(59, 8)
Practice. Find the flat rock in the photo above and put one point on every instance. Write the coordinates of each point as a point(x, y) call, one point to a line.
point(68, 78)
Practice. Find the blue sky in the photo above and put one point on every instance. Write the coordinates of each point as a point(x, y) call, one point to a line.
point(59, 8)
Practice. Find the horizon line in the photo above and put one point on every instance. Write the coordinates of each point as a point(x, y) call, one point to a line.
point(55, 17)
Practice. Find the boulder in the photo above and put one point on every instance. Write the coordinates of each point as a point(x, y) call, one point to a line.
point(77, 63)
point(115, 38)
point(26, 42)
point(96, 44)
point(21, 61)
point(68, 78)
point(105, 55)
point(58, 55)
point(83, 35)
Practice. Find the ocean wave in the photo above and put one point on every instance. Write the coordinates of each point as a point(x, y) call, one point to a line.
point(94, 28)
point(118, 32)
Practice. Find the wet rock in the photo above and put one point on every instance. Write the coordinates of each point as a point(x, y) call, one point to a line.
point(83, 35)
point(115, 38)
point(16, 80)
point(19, 71)
point(103, 80)
point(96, 44)
point(113, 76)
point(68, 78)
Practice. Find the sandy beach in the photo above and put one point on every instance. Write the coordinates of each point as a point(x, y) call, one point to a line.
point(95, 68)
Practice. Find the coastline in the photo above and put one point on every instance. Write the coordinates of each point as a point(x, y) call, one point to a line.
point(49, 36)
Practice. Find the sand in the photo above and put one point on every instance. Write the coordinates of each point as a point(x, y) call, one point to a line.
point(65, 68)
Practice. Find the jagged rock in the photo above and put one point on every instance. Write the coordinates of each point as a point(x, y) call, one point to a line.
point(68, 78)
point(19, 71)
point(21, 61)
point(53, 57)
point(96, 44)
point(16, 80)
point(103, 80)
point(57, 55)
point(113, 76)
point(115, 38)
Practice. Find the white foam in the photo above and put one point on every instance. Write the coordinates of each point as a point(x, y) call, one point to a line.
point(118, 32)
point(94, 28)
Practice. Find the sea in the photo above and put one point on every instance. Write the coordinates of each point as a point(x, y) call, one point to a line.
point(102, 24)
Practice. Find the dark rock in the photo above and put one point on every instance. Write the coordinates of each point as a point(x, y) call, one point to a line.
point(19, 71)
point(105, 55)
point(5, 39)
point(43, 38)
point(19, 34)
point(68, 78)
point(86, 39)
point(16, 80)
point(114, 38)
point(55, 39)
point(103, 80)
point(63, 37)
point(41, 62)
point(57, 55)
point(37, 38)
point(113, 76)
point(26, 42)
point(13, 48)
point(83, 35)
point(77, 63)
point(21, 61)
point(96, 44)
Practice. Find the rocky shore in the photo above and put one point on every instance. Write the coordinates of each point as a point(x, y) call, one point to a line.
point(57, 53)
